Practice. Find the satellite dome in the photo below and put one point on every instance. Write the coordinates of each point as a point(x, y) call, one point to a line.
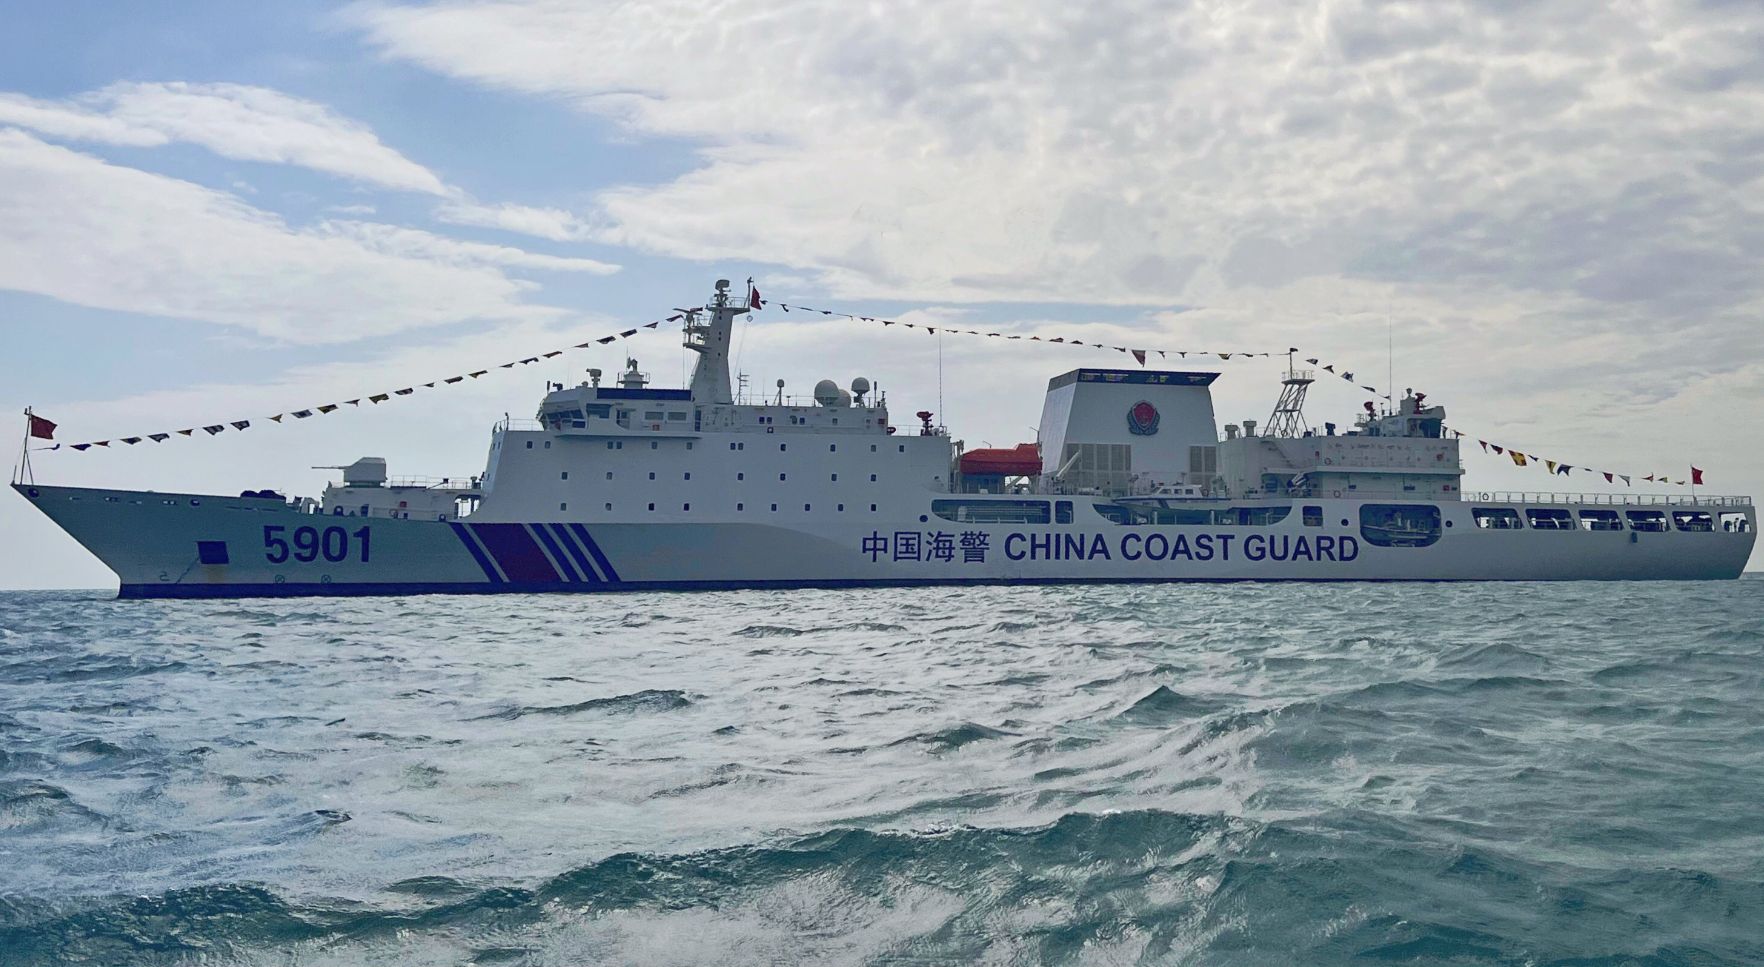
point(827, 393)
point(859, 387)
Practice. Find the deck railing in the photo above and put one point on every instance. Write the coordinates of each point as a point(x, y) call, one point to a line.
point(1537, 497)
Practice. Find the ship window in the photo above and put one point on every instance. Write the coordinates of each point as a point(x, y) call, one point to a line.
point(651, 506)
point(872, 478)
point(652, 474)
point(529, 444)
point(1203, 460)
point(1313, 515)
point(1693, 520)
point(1140, 515)
point(211, 552)
point(685, 506)
point(566, 475)
point(872, 508)
point(782, 447)
point(781, 476)
point(740, 506)
point(1399, 525)
point(1601, 520)
point(677, 416)
point(609, 475)
point(652, 416)
point(1647, 520)
point(688, 475)
point(835, 478)
point(1062, 511)
point(609, 444)
point(992, 511)
point(609, 505)
point(547, 444)
point(563, 506)
point(1249, 516)
point(689, 442)
point(741, 476)
point(872, 448)
point(1734, 522)
point(902, 448)
point(842, 508)
point(1549, 519)
point(832, 448)
point(805, 507)
point(731, 446)
point(774, 508)
point(1496, 518)
point(654, 445)
point(602, 410)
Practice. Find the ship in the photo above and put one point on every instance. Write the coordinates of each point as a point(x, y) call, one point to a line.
point(621, 485)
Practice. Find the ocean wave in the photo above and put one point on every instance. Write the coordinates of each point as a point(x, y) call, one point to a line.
point(647, 700)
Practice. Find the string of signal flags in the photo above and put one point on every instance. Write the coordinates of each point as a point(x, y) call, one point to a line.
point(41, 428)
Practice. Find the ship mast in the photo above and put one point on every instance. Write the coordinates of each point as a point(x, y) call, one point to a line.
point(709, 338)
point(1288, 419)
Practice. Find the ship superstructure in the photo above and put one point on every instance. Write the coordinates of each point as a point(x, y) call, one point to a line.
point(617, 484)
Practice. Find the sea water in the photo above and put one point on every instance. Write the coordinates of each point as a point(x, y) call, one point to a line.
point(1242, 774)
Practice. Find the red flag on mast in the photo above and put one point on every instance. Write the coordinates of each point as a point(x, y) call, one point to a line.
point(1696, 476)
point(40, 428)
point(753, 297)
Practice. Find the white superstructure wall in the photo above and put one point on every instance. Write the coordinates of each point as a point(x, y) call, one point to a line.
point(1103, 407)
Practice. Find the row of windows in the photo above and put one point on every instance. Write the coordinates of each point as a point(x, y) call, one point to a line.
point(1604, 519)
point(739, 445)
point(687, 508)
point(687, 475)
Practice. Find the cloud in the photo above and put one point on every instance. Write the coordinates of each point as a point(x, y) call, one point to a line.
point(232, 120)
point(1139, 152)
point(412, 243)
point(96, 234)
point(552, 223)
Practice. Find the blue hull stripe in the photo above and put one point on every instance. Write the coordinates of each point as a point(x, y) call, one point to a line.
point(581, 559)
point(515, 551)
point(557, 555)
point(606, 567)
point(471, 543)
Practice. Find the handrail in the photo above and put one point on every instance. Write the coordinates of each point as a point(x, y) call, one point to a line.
point(1673, 500)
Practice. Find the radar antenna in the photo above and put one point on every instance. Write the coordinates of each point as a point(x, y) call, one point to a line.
point(1288, 419)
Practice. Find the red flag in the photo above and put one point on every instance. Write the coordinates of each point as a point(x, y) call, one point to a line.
point(1696, 476)
point(1608, 478)
point(1139, 354)
point(40, 428)
point(753, 297)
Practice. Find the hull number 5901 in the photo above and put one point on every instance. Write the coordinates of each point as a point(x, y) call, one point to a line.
point(307, 544)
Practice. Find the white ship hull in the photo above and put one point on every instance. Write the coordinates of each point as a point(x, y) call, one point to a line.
point(185, 546)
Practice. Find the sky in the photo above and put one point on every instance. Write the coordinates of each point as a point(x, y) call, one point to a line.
point(1545, 216)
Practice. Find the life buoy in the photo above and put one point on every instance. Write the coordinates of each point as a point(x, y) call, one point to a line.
point(1338, 493)
point(1329, 460)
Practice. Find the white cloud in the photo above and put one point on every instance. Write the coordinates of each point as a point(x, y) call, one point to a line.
point(232, 120)
point(412, 243)
point(1111, 152)
point(552, 223)
point(96, 234)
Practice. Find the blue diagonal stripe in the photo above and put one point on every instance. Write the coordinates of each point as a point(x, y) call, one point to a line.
point(581, 559)
point(563, 563)
point(606, 567)
point(471, 543)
